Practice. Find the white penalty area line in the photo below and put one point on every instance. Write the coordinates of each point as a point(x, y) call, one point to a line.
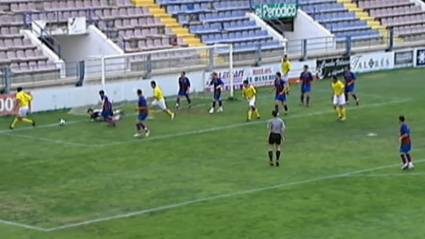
point(222, 196)
point(243, 124)
point(186, 203)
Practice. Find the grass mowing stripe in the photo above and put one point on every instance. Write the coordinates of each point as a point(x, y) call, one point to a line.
point(213, 129)
point(243, 124)
point(222, 196)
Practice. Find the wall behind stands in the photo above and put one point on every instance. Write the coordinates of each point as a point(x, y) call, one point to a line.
point(70, 97)
point(75, 48)
point(318, 37)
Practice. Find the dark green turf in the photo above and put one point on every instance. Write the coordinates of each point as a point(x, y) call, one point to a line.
point(56, 176)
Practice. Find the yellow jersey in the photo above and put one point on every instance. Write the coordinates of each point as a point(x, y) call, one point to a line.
point(338, 88)
point(24, 99)
point(286, 66)
point(249, 92)
point(157, 93)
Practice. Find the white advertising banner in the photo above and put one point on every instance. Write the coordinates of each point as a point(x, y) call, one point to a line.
point(77, 26)
point(257, 76)
point(372, 62)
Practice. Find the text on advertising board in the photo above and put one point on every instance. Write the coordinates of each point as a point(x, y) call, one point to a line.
point(420, 57)
point(7, 104)
point(276, 11)
point(330, 67)
point(403, 59)
point(372, 62)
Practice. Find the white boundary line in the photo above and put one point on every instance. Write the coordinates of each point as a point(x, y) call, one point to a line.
point(186, 203)
point(162, 208)
point(23, 225)
point(387, 175)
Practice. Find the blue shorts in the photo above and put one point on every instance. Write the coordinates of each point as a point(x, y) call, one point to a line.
point(106, 113)
point(350, 88)
point(183, 94)
point(281, 98)
point(305, 89)
point(405, 148)
point(217, 96)
point(142, 117)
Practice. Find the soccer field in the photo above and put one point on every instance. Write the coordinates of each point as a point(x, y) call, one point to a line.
point(207, 176)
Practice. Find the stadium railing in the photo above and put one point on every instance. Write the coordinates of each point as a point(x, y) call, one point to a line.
point(315, 48)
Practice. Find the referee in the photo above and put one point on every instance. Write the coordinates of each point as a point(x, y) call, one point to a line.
point(276, 128)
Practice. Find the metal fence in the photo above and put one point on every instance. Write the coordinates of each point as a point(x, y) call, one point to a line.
point(248, 55)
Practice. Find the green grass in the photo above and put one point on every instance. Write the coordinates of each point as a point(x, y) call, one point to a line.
point(57, 176)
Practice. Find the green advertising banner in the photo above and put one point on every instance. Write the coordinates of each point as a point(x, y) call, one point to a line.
point(275, 11)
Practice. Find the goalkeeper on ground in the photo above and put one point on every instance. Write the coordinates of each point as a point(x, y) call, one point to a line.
point(96, 114)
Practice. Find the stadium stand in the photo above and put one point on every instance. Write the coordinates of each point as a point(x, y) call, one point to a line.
point(218, 22)
point(17, 51)
point(406, 18)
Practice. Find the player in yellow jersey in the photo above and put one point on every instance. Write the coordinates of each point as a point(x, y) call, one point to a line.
point(286, 68)
point(23, 103)
point(338, 89)
point(249, 93)
point(159, 101)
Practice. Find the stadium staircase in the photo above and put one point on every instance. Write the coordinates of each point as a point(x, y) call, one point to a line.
point(363, 15)
point(170, 22)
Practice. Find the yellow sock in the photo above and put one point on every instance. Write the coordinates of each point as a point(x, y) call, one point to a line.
point(15, 121)
point(27, 120)
point(169, 112)
point(338, 111)
point(344, 113)
point(257, 113)
point(152, 113)
point(249, 114)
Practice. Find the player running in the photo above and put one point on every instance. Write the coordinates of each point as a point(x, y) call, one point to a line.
point(217, 84)
point(142, 108)
point(184, 88)
point(306, 81)
point(23, 104)
point(96, 114)
point(405, 144)
point(250, 93)
point(286, 67)
point(280, 97)
point(107, 111)
point(339, 98)
point(350, 81)
point(159, 100)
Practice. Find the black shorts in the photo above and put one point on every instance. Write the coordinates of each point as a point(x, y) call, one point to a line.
point(275, 139)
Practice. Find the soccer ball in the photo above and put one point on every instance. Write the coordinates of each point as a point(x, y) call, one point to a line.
point(62, 122)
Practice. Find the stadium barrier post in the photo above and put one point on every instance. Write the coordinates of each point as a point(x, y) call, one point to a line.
point(304, 49)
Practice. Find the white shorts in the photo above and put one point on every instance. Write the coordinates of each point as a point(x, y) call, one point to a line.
point(285, 77)
point(339, 99)
point(251, 102)
point(23, 111)
point(160, 103)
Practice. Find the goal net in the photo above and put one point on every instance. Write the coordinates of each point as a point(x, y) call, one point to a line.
point(109, 73)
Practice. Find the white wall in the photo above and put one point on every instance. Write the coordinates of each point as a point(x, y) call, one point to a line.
point(318, 37)
point(76, 48)
point(69, 97)
point(53, 57)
